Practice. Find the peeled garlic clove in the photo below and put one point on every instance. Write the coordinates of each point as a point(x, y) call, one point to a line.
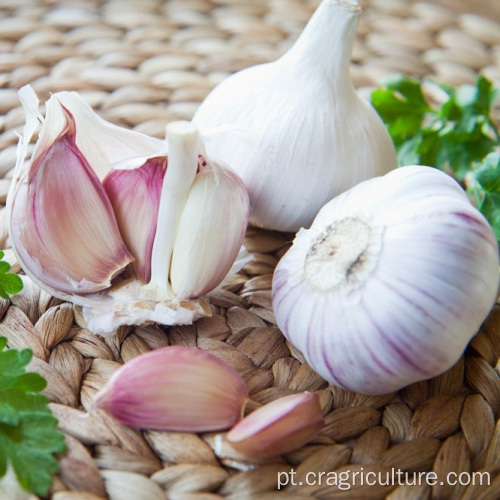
point(216, 205)
point(278, 427)
point(62, 223)
point(175, 388)
point(390, 283)
point(295, 130)
point(135, 197)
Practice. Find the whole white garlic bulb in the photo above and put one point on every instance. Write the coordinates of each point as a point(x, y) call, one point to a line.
point(295, 130)
point(103, 217)
point(390, 283)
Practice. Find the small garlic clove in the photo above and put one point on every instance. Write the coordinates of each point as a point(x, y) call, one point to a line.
point(278, 427)
point(135, 197)
point(175, 388)
point(217, 204)
point(63, 228)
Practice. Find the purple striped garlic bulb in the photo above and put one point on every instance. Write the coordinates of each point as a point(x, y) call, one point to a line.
point(390, 283)
point(129, 227)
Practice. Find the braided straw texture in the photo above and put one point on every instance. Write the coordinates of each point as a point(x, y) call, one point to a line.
point(141, 64)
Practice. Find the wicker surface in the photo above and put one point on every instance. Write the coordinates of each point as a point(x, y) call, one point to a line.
point(142, 64)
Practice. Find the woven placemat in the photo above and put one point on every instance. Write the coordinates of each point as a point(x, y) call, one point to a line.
point(141, 64)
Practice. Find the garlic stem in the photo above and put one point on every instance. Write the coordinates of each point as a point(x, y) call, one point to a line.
point(183, 145)
point(329, 53)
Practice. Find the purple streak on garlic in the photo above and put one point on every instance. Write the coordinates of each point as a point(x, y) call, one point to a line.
point(175, 388)
point(390, 283)
point(135, 196)
point(299, 132)
point(278, 427)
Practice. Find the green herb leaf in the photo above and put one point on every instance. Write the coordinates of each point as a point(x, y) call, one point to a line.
point(451, 137)
point(9, 283)
point(28, 435)
point(455, 137)
point(402, 106)
point(486, 189)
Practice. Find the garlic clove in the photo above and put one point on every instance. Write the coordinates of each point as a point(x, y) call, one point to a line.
point(62, 224)
point(175, 388)
point(135, 197)
point(408, 270)
point(299, 133)
point(217, 205)
point(278, 427)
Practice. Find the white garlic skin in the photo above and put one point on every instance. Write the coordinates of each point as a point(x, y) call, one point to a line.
point(414, 273)
point(295, 130)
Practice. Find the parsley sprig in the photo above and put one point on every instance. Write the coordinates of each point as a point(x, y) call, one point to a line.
point(10, 283)
point(483, 185)
point(28, 435)
point(459, 136)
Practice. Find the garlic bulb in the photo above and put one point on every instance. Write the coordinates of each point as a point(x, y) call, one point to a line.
point(299, 133)
point(104, 218)
point(390, 283)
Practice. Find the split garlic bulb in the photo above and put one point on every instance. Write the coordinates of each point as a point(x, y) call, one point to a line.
point(390, 283)
point(105, 218)
point(297, 131)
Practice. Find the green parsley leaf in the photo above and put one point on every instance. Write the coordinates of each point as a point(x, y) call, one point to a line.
point(28, 435)
point(486, 190)
point(488, 173)
point(402, 106)
point(455, 137)
point(9, 283)
point(452, 137)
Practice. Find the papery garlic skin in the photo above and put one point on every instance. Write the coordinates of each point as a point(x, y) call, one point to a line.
point(299, 132)
point(103, 143)
point(278, 427)
point(175, 388)
point(390, 283)
point(98, 229)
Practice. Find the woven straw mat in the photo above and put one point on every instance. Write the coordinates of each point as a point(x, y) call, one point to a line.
point(144, 63)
